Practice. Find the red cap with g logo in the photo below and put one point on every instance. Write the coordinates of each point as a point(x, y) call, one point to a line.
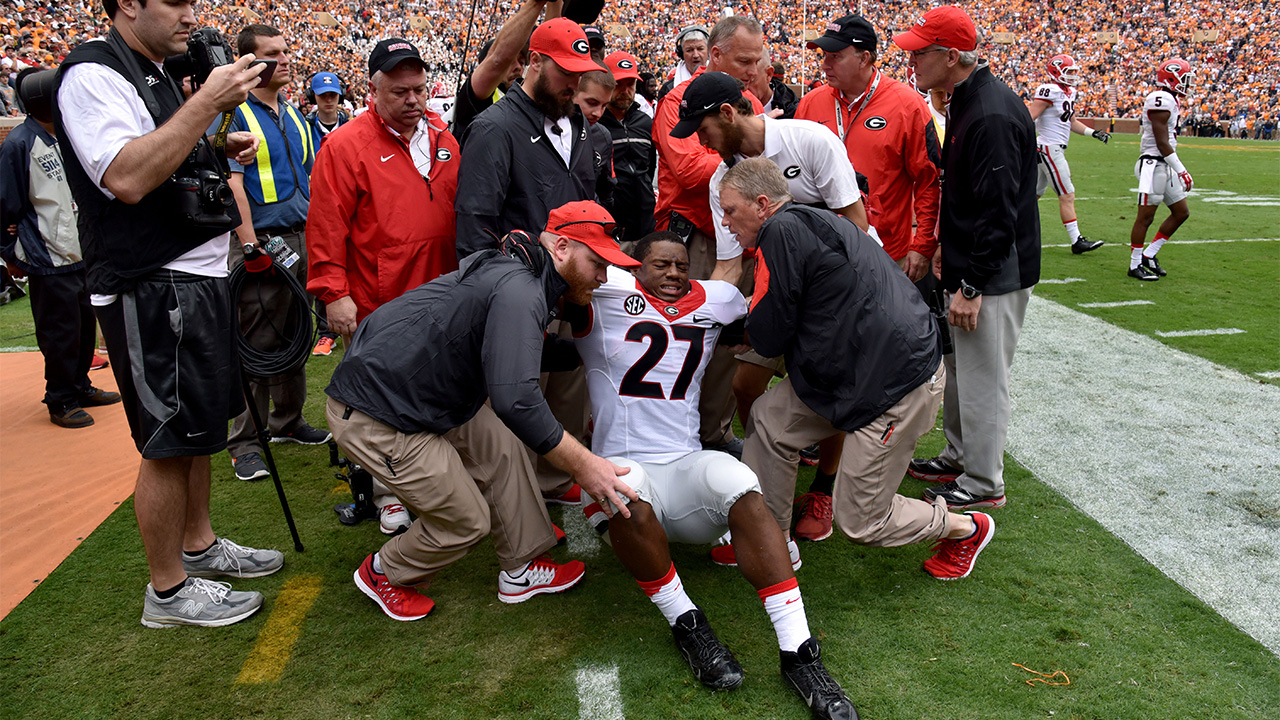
point(947, 25)
point(622, 65)
point(564, 41)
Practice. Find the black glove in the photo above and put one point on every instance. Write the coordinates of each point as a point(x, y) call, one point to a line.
point(1103, 136)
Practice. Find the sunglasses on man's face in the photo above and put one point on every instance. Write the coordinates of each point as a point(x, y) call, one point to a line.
point(610, 229)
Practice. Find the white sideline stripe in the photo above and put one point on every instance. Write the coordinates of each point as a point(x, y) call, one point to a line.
point(1178, 242)
point(1269, 375)
point(583, 540)
point(1180, 459)
point(1197, 333)
point(1060, 281)
point(1122, 303)
point(599, 692)
point(20, 349)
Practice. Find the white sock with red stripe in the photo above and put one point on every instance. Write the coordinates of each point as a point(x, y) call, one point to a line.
point(1073, 230)
point(667, 592)
point(1135, 256)
point(786, 612)
point(1155, 245)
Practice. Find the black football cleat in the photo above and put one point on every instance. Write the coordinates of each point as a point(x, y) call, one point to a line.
point(1142, 273)
point(1084, 245)
point(1153, 265)
point(932, 470)
point(803, 671)
point(957, 498)
point(711, 662)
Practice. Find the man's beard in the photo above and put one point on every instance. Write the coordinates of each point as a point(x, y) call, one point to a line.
point(732, 140)
point(580, 286)
point(550, 106)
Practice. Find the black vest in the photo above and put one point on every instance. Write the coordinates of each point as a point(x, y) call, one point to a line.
point(124, 243)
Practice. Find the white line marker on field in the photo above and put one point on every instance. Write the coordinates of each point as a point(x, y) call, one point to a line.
point(19, 349)
point(1122, 303)
point(582, 538)
point(599, 693)
point(1060, 281)
point(1179, 242)
point(1269, 375)
point(1197, 333)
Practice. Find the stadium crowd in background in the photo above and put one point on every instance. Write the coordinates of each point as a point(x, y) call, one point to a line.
point(1239, 73)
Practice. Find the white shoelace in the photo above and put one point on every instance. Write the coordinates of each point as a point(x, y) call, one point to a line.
point(231, 552)
point(217, 591)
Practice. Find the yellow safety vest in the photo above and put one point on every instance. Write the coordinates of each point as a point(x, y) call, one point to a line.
point(266, 176)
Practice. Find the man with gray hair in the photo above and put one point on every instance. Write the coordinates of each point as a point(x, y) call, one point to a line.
point(863, 357)
point(989, 257)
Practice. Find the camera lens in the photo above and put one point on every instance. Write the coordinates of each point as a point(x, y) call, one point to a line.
point(222, 194)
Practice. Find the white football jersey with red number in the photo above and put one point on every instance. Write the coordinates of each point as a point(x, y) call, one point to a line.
point(645, 359)
point(1158, 100)
point(1053, 126)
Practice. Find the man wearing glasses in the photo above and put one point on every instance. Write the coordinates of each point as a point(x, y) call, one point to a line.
point(438, 396)
point(990, 236)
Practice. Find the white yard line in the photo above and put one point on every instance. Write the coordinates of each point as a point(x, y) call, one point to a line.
point(1122, 303)
point(1269, 375)
point(1177, 456)
point(1198, 333)
point(1060, 281)
point(1179, 242)
point(19, 349)
point(599, 693)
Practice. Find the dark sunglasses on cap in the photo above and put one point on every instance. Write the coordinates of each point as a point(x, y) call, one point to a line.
point(610, 229)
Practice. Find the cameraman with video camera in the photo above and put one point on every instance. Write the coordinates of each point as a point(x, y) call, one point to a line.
point(155, 216)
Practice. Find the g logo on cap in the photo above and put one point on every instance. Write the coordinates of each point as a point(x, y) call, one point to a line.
point(625, 64)
point(581, 47)
point(875, 123)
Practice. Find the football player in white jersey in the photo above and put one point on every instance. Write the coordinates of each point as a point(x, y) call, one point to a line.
point(1054, 110)
point(1161, 175)
point(645, 341)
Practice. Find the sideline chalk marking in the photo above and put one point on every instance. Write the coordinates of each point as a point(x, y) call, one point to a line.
point(599, 693)
point(1268, 375)
point(583, 540)
point(275, 643)
point(1197, 333)
point(1061, 281)
point(1122, 303)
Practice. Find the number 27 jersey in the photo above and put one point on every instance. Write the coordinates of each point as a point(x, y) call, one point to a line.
point(645, 359)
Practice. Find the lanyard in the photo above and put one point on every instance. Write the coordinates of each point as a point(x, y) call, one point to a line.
point(866, 98)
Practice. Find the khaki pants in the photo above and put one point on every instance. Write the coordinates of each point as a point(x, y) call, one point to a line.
point(866, 505)
point(717, 403)
point(472, 481)
point(566, 394)
point(264, 310)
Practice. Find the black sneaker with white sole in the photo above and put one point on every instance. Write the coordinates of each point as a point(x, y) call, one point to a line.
point(1083, 244)
point(1142, 273)
point(957, 498)
point(711, 662)
point(250, 466)
point(803, 670)
point(1153, 265)
point(932, 470)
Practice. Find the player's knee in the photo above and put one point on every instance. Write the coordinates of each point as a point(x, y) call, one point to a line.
point(729, 480)
point(637, 479)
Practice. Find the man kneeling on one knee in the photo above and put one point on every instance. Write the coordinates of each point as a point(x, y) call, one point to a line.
point(863, 357)
point(408, 403)
point(646, 341)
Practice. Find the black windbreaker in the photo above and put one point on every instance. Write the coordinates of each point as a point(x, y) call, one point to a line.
point(989, 222)
point(511, 176)
point(855, 333)
point(427, 360)
point(635, 158)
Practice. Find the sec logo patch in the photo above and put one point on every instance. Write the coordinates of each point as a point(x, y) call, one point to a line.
point(792, 172)
point(875, 123)
point(634, 305)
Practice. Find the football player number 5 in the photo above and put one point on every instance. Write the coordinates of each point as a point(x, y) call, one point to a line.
point(633, 382)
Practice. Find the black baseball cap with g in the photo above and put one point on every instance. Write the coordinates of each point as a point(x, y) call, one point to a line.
point(842, 32)
point(391, 52)
point(704, 96)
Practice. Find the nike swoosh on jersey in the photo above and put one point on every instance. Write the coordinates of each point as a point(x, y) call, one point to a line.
point(388, 157)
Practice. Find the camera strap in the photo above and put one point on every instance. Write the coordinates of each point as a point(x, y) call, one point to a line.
point(220, 137)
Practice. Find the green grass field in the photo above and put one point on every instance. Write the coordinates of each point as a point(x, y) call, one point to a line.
point(1055, 591)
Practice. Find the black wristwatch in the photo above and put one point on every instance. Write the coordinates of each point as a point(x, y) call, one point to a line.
point(968, 291)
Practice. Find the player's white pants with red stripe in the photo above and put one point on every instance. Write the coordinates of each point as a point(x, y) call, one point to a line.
point(1054, 170)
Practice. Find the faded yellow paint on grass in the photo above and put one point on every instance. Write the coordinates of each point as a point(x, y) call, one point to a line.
point(275, 643)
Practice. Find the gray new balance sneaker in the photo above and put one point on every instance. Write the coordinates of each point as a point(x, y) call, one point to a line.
point(199, 602)
point(227, 559)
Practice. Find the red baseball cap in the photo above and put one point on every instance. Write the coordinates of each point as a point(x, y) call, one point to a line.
point(593, 226)
point(564, 41)
point(622, 65)
point(946, 25)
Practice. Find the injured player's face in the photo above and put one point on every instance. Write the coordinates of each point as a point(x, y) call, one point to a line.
point(664, 271)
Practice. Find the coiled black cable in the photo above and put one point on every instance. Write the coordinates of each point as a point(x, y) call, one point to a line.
point(296, 335)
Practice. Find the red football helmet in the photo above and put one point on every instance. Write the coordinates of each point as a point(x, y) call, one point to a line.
point(1176, 76)
point(1064, 70)
point(439, 90)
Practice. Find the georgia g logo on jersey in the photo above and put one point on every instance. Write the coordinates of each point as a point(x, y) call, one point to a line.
point(634, 305)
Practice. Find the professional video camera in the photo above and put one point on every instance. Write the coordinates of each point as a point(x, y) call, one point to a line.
point(206, 50)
